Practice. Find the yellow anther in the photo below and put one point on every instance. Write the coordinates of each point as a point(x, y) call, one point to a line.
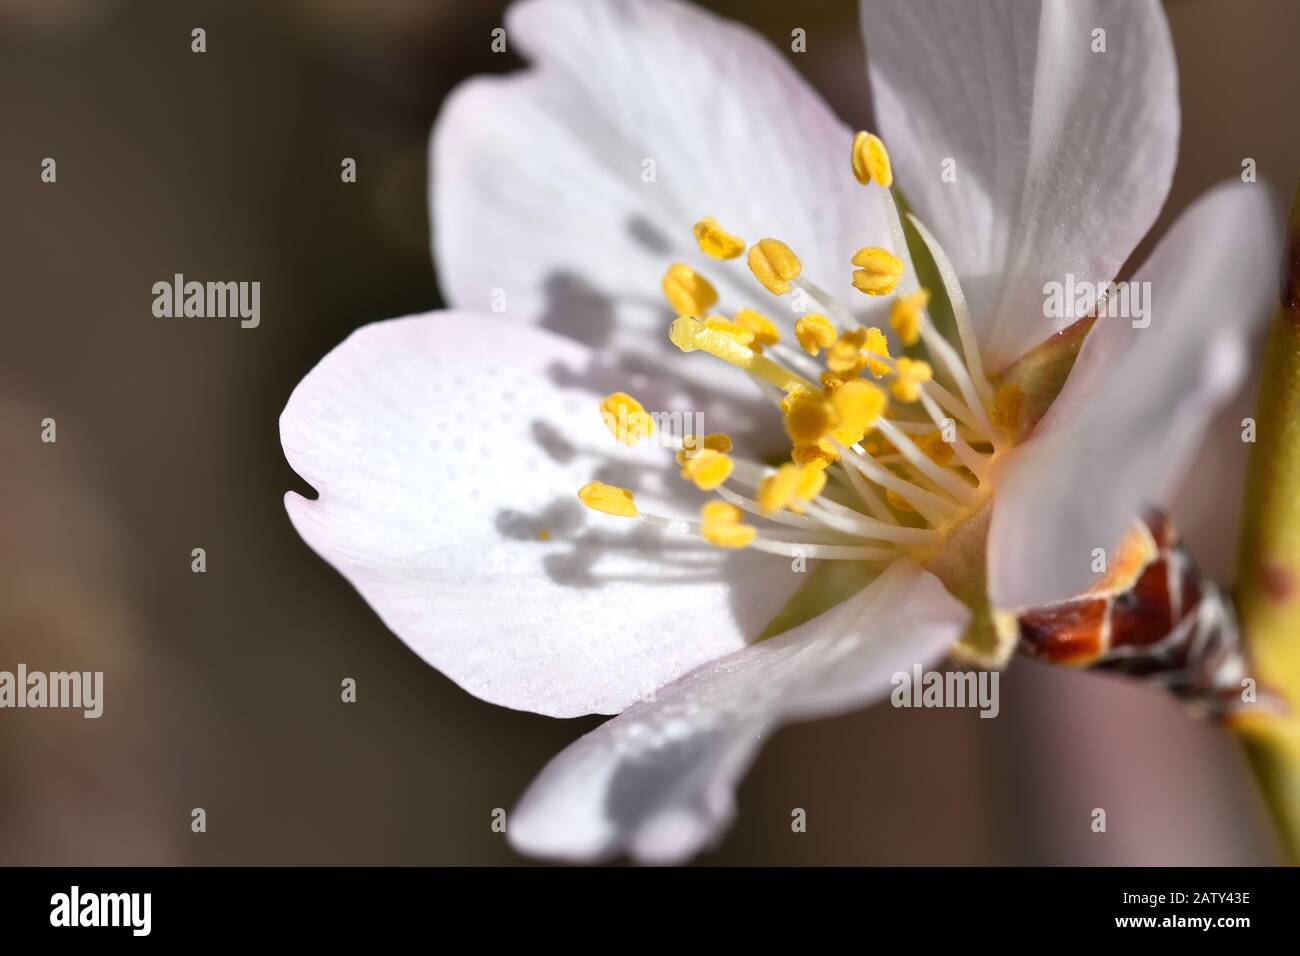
point(813, 456)
point(1008, 406)
point(720, 524)
point(875, 343)
point(764, 329)
point(935, 448)
point(871, 161)
point(830, 382)
point(845, 357)
point(815, 332)
point(906, 313)
point(688, 292)
point(857, 406)
point(610, 499)
point(793, 396)
point(690, 334)
point(625, 418)
point(912, 374)
point(811, 482)
point(715, 241)
point(774, 264)
point(708, 469)
point(878, 260)
point(693, 444)
point(878, 270)
point(808, 419)
point(778, 489)
point(740, 333)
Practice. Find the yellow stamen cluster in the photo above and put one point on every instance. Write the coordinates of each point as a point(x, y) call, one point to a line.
point(774, 264)
point(720, 524)
point(815, 332)
point(870, 161)
point(841, 410)
point(688, 292)
point(715, 241)
point(878, 270)
point(911, 375)
point(906, 313)
point(625, 417)
point(610, 499)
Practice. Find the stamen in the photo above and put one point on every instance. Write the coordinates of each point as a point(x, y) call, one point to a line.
point(626, 418)
point(930, 506)
point(870, 160)
point(878, 270)
point(692, 445)
point(688, 292)
point(774, 264)
point(722, 324)
point(777, 490)
point(922, 462)
point(960, 309)
point(781, 517)
point(720, 524)
point(823, 300)
point(910, 375)
point(905, 316)
point(977, 464)
point(764, 329)
point(874, 503)
point(707, 469)
point(690, 334)
point(815, 332)
point(715, 241)
point(610, 499)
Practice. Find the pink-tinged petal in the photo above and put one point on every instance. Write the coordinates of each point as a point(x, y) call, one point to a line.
point(445, 448)
point(1062, 156)
point(1137, 401)
point(539, 190)
point(658, 781)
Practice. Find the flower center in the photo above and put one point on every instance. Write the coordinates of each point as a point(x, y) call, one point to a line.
point(885, 459)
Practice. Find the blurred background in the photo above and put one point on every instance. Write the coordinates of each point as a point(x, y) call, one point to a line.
point(222, 689)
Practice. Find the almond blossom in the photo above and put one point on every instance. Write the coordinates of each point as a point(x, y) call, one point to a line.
point(658, 214)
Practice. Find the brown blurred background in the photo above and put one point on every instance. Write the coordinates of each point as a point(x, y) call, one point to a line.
point(222, 689)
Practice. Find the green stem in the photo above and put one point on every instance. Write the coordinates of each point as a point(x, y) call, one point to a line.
point(1268, 585)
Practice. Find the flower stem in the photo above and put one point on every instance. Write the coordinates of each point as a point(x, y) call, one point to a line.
point(1268, 585)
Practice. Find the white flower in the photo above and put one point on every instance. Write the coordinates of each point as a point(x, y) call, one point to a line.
point(447, 447)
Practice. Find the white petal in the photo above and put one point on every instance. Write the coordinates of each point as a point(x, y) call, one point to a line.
point(1136, 402)
point(1063, 157)
point(657, 781)
point(442, 446)
point(538, 185)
